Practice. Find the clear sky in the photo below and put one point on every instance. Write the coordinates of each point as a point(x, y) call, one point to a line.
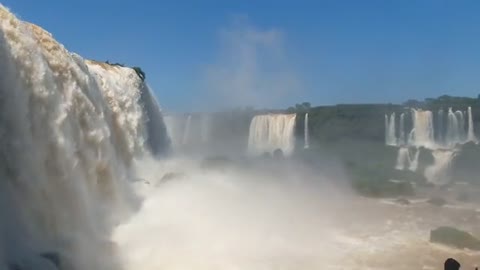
point(211, 54)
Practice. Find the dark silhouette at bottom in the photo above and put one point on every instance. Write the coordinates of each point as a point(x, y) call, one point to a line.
point(451, 264)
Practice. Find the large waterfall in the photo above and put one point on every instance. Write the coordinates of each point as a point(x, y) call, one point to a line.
point(271, 132)
point(70, 130)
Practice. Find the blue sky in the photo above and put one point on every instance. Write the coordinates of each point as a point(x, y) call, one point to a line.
point(210, 54)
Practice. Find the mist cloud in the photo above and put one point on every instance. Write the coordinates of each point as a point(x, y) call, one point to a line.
point(251, 67)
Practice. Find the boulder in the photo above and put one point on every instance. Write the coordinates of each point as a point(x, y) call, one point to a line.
point(402, 201)
point(171, 176)
point(437, 201)
point(454, 237)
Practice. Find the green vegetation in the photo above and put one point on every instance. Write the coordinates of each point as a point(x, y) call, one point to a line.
point(138, 70)
point(454, 237)
point(140, 73)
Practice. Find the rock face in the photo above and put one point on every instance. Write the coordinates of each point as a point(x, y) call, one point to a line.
point(454, 237)
point(437, 201)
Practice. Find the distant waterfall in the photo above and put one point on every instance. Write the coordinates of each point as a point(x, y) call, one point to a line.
point(187, 130)
point(462, 135)
point(471, 133)
point(390, 130)
point(401, 136)
point(441, 139)
point(405, 160)
point(438, 173)
point(422, 133)
point(306, 133)
point(440, 134)
point(453, 131)
point(175, 126)
point(271, 132)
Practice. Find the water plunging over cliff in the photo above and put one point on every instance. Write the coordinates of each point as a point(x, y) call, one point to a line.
point(271, 132)
point(69, 132)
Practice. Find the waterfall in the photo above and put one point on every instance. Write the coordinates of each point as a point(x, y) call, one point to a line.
point(455, 128)
point(405, 160)
point(471, 133)
point(462, 136)
point(271, 132)
point(422, 133)
point(186, 130)
point(70, 130)
point(438, 173)
point(155, 126)
point(387, 135)
point(402, 158)
point(174, 127)
point(306, 133)
point(414, 161)
point(440, 133)
point(390, 130)
point(401, 139)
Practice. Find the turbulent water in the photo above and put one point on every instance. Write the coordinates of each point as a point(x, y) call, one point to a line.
point(69, 131)
point(271, 132)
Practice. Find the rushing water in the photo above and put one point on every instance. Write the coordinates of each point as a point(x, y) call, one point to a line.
point(78, 184)
point(306, 133)
point(271, 132)
point(69, 131)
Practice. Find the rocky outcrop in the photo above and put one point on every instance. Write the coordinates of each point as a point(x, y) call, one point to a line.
point(455, 238)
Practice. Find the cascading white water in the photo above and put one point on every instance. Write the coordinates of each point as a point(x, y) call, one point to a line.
point(453, 133)
point(271, 132)
point(443, 147)
point(390, 130)
point(422, 133)
point(401, 136)
point(69, 132)
point(402, 158)
point(438, 173)
point(186, 130)
point(461, 126)
point(174, 127)
point(440, 133)
point(306, 133)
point(405, 160)
point(471, 133)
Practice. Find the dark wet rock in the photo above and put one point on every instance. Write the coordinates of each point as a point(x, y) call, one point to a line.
point(437, 201)
point(53, 257)
point(278, 154)
point(463, 196)
point(171, 176)
point(46, 261)
point(455, 238)
point(402, 201)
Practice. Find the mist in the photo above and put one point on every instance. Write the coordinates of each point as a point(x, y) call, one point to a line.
point(251, 68)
